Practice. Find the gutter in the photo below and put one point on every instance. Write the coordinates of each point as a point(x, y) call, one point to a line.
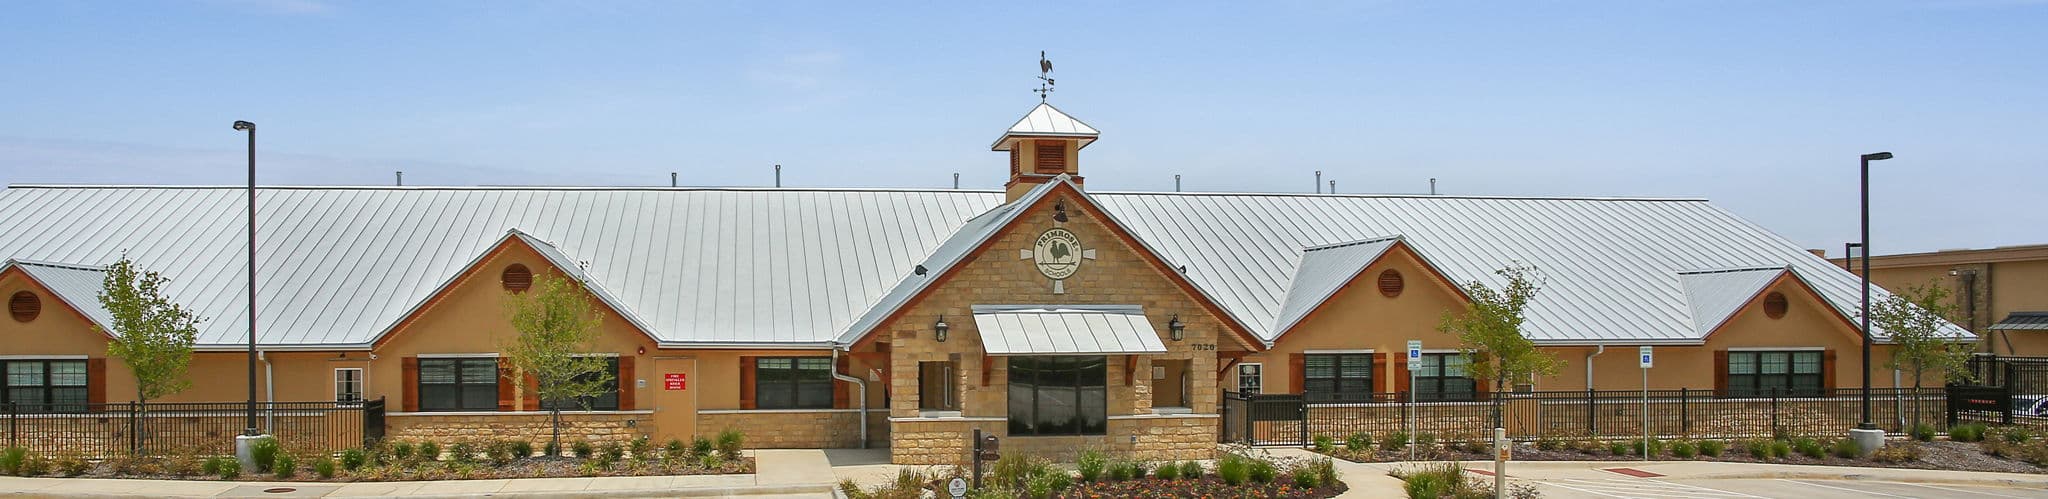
point(1589, 364)
point(863, 385)
point(269, 393)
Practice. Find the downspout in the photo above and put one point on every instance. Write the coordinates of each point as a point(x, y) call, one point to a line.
point(1589, 364)
point(863, 385)
point(269, 393)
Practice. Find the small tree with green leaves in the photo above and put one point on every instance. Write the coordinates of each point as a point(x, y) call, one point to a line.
point(1916, 320)
point(151, 334)
point(556, 323)
point(1490, 336)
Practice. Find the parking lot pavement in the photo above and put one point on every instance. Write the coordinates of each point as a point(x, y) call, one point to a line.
point(1774, 488)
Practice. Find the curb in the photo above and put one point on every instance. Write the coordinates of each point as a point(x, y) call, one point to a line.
point(752, 490)
point(1991, 482)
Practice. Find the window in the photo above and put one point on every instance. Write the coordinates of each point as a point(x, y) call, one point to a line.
point(1793, 373)
point(936, 384)
point(348, 384)
point(459, 384)
point(45, 385)
point(1337, 377)
point(1248, 378)
point(1441, 377)
point(1059, 395)
point(793, 383)
point(609, 401)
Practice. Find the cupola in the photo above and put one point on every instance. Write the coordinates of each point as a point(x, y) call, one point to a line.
point(1043, 145)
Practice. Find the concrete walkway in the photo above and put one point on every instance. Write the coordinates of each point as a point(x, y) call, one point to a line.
point(1693, 479)
point(787, 473)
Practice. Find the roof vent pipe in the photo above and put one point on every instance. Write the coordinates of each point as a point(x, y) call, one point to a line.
point(1319, 181)
point(1176, 183)
point(956, 180)
point(671, 179)
point(1432, 186)
point(1333, 187)
point(401, 178)
point(778, 175)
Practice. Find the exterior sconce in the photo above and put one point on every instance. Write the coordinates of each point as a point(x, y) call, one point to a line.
point(642, 350)
point(1176, 329)
point(939, 330)
point(1059, 212)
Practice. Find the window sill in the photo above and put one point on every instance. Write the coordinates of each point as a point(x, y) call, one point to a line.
point(1161, 416)
point(949, 419)
point(1172, 410)
point(929, 414)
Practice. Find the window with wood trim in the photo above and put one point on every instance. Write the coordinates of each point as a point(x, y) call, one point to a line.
point(1059, 395)
point(1052, 157)
point(45, 385)
point(1442, 377)
point(1248, 381)
point(348, 385)
point(1337, 377)
point(938, 386)
point(793, 382)
point(458, 384)
point(1794, 373)
point(24, 306)
point(609, 401)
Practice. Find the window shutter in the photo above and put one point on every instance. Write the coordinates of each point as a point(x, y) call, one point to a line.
point(1052, 157)
point(1721, 373)
point(1379, 375)
point(746, 382)
point(506, 389)
point(1016, 159)
point(1297, 372)
point(1401, 376)
point(409, 376)
point(532, 400)
point(96, 381)
point(1827, 372)
point(840, 400)
point(626, 383)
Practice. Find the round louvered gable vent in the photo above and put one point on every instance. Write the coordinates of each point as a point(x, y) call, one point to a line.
point(1391, 283)
point(516, 278)
point(1774, 305)
point(25, 306)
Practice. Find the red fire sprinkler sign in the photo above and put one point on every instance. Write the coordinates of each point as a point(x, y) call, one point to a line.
point(673, 381)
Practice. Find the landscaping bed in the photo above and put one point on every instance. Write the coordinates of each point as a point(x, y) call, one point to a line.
point(1239, 473)
point(407, 460)
point(1966, 448)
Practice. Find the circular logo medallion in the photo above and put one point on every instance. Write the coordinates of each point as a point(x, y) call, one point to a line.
point(1058, 253)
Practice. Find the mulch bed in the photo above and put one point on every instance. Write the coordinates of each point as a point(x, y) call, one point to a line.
point(535, 467)
point(1205, 487)
point(1937, 455)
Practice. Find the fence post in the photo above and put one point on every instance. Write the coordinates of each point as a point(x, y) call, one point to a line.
point(13, 426)
point(1592, 430)
point(134, 429)
point(1303, 417)
point(1774, 413)
point(1684, 411)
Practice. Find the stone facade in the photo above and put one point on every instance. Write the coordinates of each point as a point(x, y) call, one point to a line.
point(595, 427)
point(194, 432)
point(1153, 438)
point(800, 429)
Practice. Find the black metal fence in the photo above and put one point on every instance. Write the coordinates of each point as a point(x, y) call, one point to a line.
point(1288, 419)
point(207, 428)
point(2024, 376)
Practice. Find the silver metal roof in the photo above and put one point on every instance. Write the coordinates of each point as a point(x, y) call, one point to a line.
point(2023, 321)
point(77, 285)
point(1047, 121)
point(1715, 295)
point(1323, 270)
point(803, 267)
point(1066, 330)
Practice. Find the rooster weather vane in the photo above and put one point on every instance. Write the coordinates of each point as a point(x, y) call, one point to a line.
point(1044, 76)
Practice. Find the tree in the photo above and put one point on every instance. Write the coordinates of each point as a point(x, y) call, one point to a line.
point(556, 322)
point(1923, 339)
point(1490, 336)
point(152, 334)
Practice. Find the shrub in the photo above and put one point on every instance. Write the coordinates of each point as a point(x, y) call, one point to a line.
point(1435, 480)
point(642, 448)
point(700, 446)
point(1922, 432)
point(1016, 470)
point(182, 464)
point(612, 452)
point(1167, 471)
point(1548, 443)
point(710, 461)
point(1358, 442)
point(228, 468)
point(1847, 449)
point(2017, 435)
point(1303, 479)
point(1899, 453)
point(401, 450)
point(1636, 447)
point(581, 449)
point(1394, 441)
point(1046, 485)
point(502, 452)
point(1759, 449)
point(1972, 432)
point(675, 449)
point(211, 466)
point(1233, 469)
point(324, 467)
point(11, 459)
point(1263, 471)
point(1121, 470)
point(462, 452)
point(1425, 439)
point(1426, 486)
point(1618, 448)
point(352, 459)
point(521, 449)
point(1190, 470)
point(429, 451)
point(552, 449)
point(1318, 472)
point(1325, 444)
point(35, 465)
point(1587, 446)
point(285, 465)
point(729, 443)
point(1807, 446)
point(1780, 449)
point(1684, 449)
point(71, 465)
point(1091, 465)
point(1712, 448)
point(264, 450)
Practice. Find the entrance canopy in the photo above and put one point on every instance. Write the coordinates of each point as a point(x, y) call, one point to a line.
point(1066, 330)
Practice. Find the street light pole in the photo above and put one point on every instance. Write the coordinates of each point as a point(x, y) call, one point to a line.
point(1867, 158)
point(251, 128)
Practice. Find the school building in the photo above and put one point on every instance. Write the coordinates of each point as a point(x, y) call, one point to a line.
point(2001, 291)
point(1055, 316)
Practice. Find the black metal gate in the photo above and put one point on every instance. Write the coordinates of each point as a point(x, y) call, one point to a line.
point(1265, 418)
point(373, 422)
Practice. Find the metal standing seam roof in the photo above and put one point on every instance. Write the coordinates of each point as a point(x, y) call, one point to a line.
point(1044, 121)
point(1715, 295)
point(1322, 271)
point(1066, 330)
point(2023, 321)
point(78, 286)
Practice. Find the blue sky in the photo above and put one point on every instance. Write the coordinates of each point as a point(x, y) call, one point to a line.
point(1760, 106)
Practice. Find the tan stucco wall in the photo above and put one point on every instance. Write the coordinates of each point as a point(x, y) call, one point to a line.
point(2008, 280)
point(1358, 316)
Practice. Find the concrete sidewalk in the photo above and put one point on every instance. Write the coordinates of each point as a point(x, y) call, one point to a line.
point(789, 473)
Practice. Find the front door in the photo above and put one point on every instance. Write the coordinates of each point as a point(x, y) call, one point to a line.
point(675, 398)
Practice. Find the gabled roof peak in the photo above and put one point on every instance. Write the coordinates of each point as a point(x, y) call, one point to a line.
point(1046, 121)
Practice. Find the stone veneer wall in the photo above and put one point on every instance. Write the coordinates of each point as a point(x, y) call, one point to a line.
point(1152, 438)
point(596, 427)
point(98, 435)
point(798, 429)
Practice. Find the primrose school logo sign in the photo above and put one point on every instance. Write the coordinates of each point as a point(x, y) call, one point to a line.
point(1058, 254)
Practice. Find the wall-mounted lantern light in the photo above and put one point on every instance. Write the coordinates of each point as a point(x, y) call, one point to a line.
point(1059, 212)
point(939, 330)
point(1176, 329)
